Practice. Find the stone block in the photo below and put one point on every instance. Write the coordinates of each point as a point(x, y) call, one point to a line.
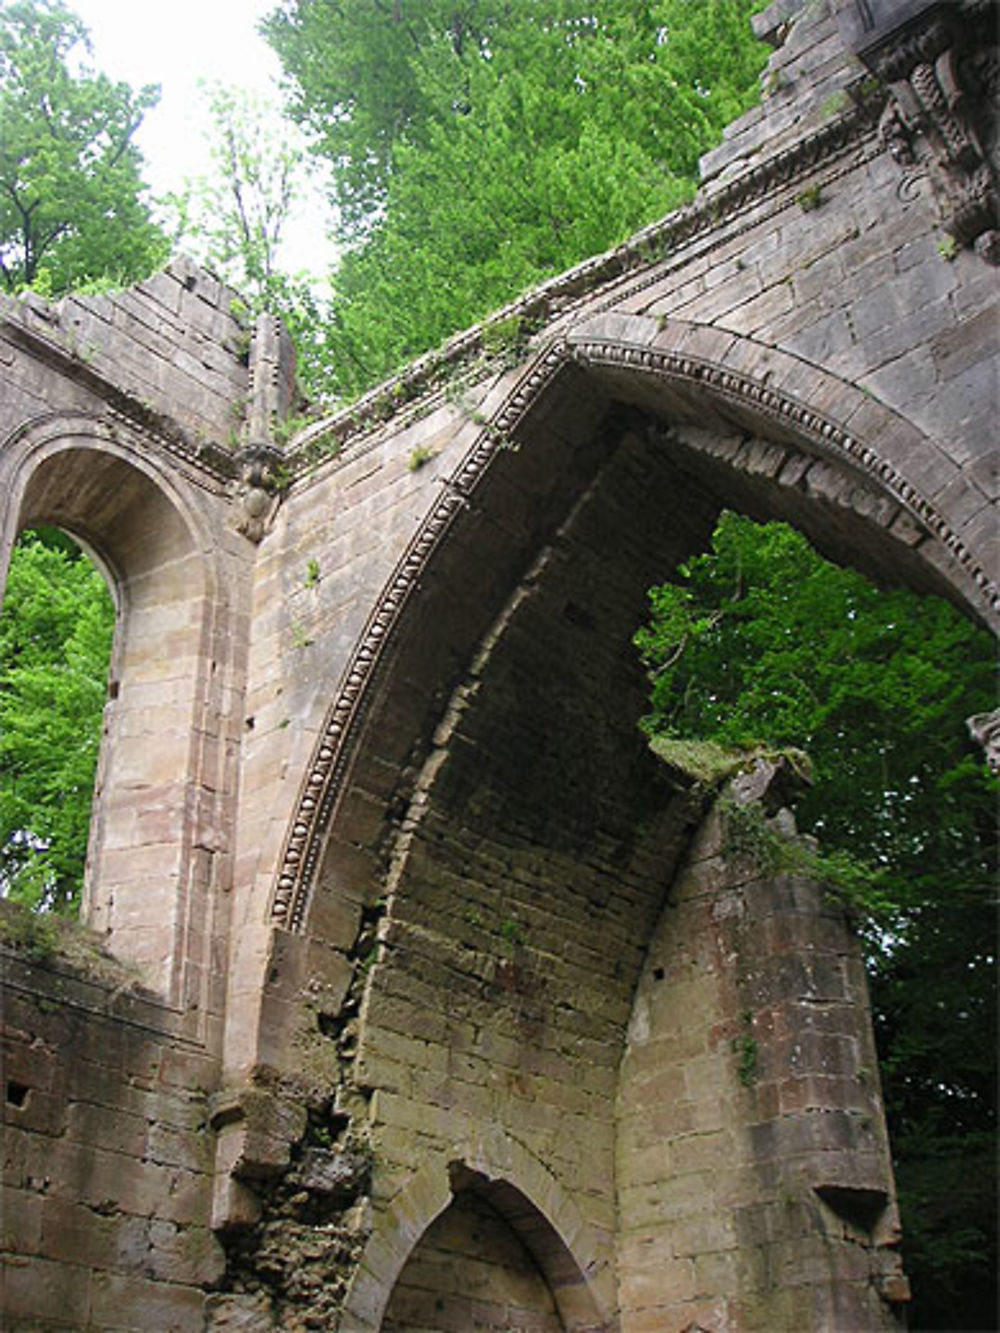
point(136, 1304)
point(191, 1149)
point(193, 1071)
point(98, 1126)
point(20, 1219)
point(660, 1280)
point(40, 1112)
point(44, 1293)
point(77, 1234)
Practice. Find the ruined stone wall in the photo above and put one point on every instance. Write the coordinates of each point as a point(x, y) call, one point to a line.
point(169, 350)
point(106, 1160)
point(380, 828)
point(117, 415)
point(317, 575)
point(755, 1187)
point(803, 295)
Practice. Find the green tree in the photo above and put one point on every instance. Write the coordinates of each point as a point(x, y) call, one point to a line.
point(237, 216)
point(72, 205)
point(761, 641)
point(479, 146)
point(55, 642)
point(235, 219)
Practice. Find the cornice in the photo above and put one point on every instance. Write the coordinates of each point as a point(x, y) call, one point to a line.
point(412, 392)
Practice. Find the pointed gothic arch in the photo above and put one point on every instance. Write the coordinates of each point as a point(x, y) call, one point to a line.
point(760, 428)
point(514, 1185)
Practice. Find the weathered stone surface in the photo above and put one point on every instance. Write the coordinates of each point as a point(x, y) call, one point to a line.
point(428, 937)
point(331, 1173)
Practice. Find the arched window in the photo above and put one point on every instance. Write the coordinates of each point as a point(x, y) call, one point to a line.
point(56, 633)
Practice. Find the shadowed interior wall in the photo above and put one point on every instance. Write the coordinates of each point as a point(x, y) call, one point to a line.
point(523, 887)
point(470, 1271)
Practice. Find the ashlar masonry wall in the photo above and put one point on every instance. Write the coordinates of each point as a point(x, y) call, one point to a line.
point(374, 817)
point(755, 1186)
point(107, 1160)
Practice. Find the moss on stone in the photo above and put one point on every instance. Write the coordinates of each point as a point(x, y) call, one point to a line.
point(43, 938)
point(710, 764)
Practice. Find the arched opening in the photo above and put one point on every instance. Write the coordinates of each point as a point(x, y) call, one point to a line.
point(500, 830)
point(710, 420)
point(155, 832)
point(56, 634)
point(490, 1260)
point(470, 1269)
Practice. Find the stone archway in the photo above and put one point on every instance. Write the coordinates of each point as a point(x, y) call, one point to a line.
point(152, 872)
point(484, 1229)
point(483, 844)
point(755, 427)
point(469, 1265)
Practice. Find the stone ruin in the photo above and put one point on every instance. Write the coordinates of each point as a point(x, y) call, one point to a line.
point(429, 997)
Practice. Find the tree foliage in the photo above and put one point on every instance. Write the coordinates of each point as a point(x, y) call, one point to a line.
point(478, 146)
point(238, 215)
point(762, 641)
point(72, 206)
point(55, 642)
point(235, 219)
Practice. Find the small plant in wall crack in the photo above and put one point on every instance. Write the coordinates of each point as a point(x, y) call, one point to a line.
point(809, 199)
point(312, 574)
point(748, 837)
point(947, 248)
point(420, 456)
point(856, 886)
point(299, 638)
point(512, 934)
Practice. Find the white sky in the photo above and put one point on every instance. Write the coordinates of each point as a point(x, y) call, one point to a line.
point(175, 44)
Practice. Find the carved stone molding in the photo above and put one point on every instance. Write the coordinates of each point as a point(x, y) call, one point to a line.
point(940, 68)
point(324, 779)
point(637, 261)
point(984, 729)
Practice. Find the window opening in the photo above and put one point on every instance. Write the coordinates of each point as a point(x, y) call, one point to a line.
point(56, 633)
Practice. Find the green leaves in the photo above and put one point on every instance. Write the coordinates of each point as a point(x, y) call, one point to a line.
point(767, 642)
point(763, 641)
point(235, 219)
point(479, 147)
point(72, 204)
point(55, 642)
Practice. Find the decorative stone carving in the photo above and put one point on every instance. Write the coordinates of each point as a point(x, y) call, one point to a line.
point(260, 473)
point(984, 728)
point(271, 384)
point(940, 67)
